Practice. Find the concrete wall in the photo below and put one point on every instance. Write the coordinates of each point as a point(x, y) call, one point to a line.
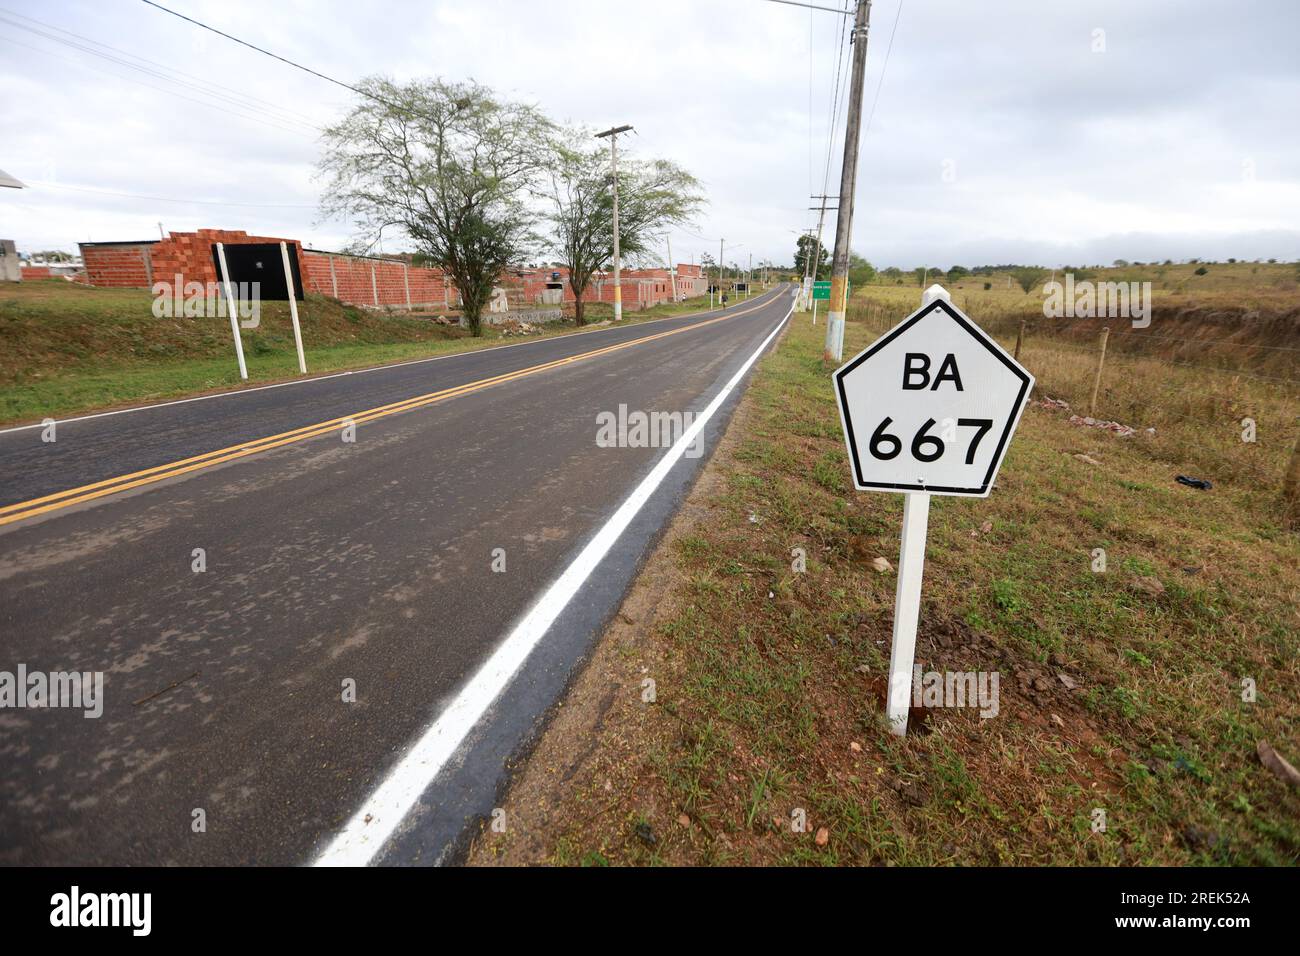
point(10, 267)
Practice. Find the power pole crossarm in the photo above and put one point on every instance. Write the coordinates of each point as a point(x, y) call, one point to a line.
point(834, 351)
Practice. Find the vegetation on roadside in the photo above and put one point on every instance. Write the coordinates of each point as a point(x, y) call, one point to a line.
point(1123, 735)
point(69, 348)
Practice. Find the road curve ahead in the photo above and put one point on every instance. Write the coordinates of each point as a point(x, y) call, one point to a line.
point(326, 614)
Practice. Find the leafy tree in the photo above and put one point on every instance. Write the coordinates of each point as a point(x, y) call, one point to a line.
point(1028, 276)
point(804, 253)
point(651, 197)
point(861, 271)
point(447, 164)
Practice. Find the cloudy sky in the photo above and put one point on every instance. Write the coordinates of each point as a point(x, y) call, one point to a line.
point(1009, 130)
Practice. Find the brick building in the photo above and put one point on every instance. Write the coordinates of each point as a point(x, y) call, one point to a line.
point(368, 281)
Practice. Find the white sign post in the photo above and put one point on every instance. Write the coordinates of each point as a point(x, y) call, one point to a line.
point(293, 307)
point(929, 408)
point(230, 307)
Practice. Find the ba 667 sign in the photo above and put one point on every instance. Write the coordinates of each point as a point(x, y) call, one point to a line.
point(931, 406)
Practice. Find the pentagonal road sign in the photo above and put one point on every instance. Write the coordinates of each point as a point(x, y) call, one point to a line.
point(931, 405)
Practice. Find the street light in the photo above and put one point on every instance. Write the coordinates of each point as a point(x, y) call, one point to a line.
point(612, 134)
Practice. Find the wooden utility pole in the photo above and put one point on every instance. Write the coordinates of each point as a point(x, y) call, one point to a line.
point(834, 350)
point(817, 246)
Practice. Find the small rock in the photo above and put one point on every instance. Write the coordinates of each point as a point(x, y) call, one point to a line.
point(880, 564)
point(1069, 682)
point(646, 834)
point(823, 836)
point(855, 747)
point(1056, 719)
point(684, 820)
point(1151, 585)
point(1041, 683)
point(863, 669)
point(1087, 459)
point(986, 527)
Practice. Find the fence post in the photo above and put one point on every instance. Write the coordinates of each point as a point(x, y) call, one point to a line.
point(406, 278)
point(1096, 382)
point(334, 279)
point(1020, 337)
point(374, 287)
point(1291, 485)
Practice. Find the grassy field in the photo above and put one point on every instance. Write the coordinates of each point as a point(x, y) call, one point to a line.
point(70, 348)
point(1120, 691)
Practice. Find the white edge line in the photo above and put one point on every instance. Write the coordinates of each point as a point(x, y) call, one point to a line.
point(356, 371)
point(365, 835)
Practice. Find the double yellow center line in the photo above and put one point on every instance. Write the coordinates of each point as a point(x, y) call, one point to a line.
point(111, 486)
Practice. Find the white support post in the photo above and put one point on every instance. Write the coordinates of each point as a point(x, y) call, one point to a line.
point(232, 309)
point(374, 287)
point(907, 607)
point(293, 307)
point(907, 595)
point(406, 278)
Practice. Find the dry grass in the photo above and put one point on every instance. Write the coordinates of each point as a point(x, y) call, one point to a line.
point(767, 678)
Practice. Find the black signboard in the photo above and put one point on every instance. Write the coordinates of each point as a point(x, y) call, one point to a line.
point(261, 262)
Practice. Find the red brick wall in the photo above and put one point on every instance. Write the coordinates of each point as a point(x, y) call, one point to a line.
point(351, 281)
point(189, 254)
point(36, 272)
point(118, 264)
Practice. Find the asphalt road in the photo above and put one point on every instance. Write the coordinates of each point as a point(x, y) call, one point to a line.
point(327, 562)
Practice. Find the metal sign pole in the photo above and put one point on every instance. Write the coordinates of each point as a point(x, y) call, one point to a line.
point(230, 307)
point(293, 307)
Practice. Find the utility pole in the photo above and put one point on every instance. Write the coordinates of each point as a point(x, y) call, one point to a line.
point(817, 246)
point(612, 133)
point(720, 242)
point(672, 270)
point(834, 351)
point(749, 276)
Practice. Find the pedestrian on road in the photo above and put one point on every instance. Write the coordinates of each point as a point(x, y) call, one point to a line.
point(724, 300)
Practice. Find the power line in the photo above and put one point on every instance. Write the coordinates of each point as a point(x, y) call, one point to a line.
point(884, 66)
point(191, 99)
point(286, 60)
point(201, 85)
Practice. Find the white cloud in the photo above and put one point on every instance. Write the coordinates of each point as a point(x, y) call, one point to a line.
point(1176, 141)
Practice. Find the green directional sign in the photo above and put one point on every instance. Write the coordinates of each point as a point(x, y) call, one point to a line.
point(821, 290)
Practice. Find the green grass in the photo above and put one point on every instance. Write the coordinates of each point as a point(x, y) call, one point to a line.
point(71, 349)
point(767, 677)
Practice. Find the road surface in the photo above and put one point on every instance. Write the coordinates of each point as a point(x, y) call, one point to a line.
point(331, 565)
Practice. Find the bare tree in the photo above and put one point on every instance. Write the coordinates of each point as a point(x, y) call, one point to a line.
point(652, 196)
point(448, 166)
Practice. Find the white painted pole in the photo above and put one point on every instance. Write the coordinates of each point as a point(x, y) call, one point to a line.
point(293, 307)
point(907, 607)
point(814, 310)
point(230, 307)
point(907, 595)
